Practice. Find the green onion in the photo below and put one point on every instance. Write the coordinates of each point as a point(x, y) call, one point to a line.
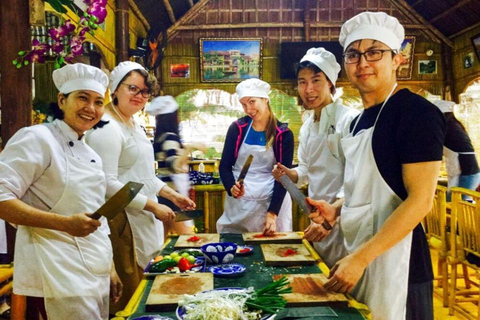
point(269, 298)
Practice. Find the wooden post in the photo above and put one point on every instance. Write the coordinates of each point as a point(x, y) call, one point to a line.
point(447, 59)
point(16, 84)
point(121, 30)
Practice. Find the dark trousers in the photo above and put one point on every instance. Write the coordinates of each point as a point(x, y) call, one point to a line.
point(420, 301)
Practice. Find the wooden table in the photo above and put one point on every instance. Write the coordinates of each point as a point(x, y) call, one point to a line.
point(257, 276)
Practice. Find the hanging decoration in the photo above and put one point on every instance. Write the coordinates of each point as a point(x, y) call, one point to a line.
point(63, 51)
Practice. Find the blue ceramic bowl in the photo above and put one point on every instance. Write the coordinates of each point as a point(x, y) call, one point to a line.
point(219, 252)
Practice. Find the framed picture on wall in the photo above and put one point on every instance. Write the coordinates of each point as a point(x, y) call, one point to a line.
point(476, 44)
point(404, 71)
point(427, 67)
point(180, 70)
point(468, 60)
point(230, 60)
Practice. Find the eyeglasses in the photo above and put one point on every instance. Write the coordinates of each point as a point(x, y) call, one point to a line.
point(370, 55)
point(134, 90)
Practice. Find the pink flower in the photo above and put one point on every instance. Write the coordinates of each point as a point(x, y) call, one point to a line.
point(54, 34)
point(98, 10)
point(76, 44)
point(57, 47)
point(39, 47)
point(35, 56)
point(66, 28)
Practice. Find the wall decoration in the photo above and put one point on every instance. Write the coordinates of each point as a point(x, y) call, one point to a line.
point(180, 70)
point(230, 60)
point(404, 71)
point(468, 60)
point(427, 67)
point(476, 44)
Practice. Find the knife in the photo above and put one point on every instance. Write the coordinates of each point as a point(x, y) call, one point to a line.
point(118, 201)
point(188, 215)
point(300, 198)
point(245, 168)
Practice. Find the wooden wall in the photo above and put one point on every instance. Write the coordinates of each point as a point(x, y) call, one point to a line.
point(463, 46)
point(279, 21)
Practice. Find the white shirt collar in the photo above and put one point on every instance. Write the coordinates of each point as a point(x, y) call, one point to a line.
point(66, 130)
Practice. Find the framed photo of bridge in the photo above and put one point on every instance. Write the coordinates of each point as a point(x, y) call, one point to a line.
point(230, 60)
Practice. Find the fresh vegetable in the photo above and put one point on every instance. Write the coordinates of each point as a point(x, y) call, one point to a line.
point(290, 252)
point(162, 265)
point(269, 298)
point(244, 250)
point(157, 258)
point(193, 239)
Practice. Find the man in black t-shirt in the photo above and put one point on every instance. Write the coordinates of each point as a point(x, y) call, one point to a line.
point(393, 156)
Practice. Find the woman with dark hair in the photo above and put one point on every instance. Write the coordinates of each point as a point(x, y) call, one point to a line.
point(50, 183)
point(136, 234)
point(460, 158)
point(259, 204)
point(171, 154)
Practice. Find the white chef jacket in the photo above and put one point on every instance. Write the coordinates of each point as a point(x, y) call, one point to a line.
point(335, 114)
point(33, 169)
point(119, 152)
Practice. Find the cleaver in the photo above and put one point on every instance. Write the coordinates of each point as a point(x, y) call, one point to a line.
point(118, 201)
point(300, 198)
point(187, 215)
point(245, 168)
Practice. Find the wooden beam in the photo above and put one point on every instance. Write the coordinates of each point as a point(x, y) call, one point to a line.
point(187, 17)
point(417, 3)
point(170, 12)
point(275, 25)
point(453, 36)
point(138, 13)
point(406, 9)
point(16, 84)
point(121, 30)
point(306, 19)
point(447, 12)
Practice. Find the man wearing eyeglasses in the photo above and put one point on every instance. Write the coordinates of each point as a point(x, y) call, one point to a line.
point(393, 155)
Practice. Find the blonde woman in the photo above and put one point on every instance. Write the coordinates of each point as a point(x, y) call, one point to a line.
point(260, 204)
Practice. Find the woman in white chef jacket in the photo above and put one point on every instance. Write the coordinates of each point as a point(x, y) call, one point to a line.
point(260, 204)
point(137, 235)
point(50, 182)
point(321, 162)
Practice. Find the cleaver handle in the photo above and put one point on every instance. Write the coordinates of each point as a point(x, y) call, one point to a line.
point(95, 216)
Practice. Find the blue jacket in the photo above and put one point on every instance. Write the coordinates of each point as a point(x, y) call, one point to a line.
point(282, 148)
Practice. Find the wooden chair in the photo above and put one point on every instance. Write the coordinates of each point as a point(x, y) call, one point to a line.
point(465, 222)
point(435, 230)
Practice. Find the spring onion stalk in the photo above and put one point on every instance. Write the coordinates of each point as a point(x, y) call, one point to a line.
point(269, 298)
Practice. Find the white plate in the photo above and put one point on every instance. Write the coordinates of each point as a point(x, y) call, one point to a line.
point(180, 312)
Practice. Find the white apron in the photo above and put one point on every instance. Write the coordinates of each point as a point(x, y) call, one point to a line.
point(146, 229)
point(452, 165)
point(369, 201)
point(76, 270)
point(325, 179)
point(248, 213)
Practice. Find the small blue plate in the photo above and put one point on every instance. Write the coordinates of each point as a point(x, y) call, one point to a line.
point(228, 270)
point(246, 250)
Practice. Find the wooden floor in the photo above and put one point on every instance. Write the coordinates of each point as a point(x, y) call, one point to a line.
point(441, 313)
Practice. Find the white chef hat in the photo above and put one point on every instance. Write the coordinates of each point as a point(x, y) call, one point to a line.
point(253, 88)
point(373, 25)
point(120, 71)
point(444, 105)
point(161, 105)
point(325, 60)
point(79, 76)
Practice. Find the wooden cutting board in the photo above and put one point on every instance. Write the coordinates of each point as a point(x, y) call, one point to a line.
point(168, 289)
point(308, 290)
point(182, 241)
point(279, 237)
point(277, 255)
